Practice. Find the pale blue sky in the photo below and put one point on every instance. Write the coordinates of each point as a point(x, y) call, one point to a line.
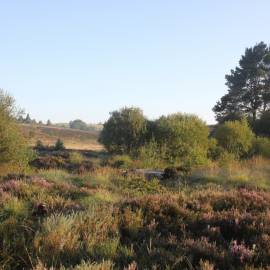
point(82, 59)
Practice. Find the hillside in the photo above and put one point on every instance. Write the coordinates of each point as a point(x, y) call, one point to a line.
point(73, 139)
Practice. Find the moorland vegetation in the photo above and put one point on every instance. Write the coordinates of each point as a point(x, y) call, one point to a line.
point(63, 209)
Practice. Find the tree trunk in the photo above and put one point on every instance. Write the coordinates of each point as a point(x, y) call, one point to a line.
point(254, 115)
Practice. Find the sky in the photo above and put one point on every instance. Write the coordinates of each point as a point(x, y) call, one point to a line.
point(64, 59)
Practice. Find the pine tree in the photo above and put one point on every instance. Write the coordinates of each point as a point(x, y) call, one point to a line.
point(248, 86)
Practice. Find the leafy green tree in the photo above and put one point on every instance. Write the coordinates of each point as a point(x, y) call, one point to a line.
point(235, 137)
point(183, 137)
point(13, 147)
point(248, 86)
point(78, 124)
point(124, 132)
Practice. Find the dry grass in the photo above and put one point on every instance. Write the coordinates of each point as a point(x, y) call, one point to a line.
point(252, 172)
point(73, 139)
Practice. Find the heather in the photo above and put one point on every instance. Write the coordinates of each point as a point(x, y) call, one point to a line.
point(105, 219)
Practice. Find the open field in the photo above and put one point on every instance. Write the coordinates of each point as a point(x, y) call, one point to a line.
point(73, 139)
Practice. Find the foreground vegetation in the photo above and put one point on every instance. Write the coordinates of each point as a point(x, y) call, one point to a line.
point(107, 219)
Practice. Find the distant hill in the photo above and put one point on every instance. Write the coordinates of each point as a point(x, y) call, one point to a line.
point(72, 138)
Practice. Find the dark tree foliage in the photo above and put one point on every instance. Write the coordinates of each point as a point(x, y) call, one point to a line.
point(248, 86)
point(78, 124)
point(125, 131)
point(262, 125)
point(59, 145)
point(28, 119)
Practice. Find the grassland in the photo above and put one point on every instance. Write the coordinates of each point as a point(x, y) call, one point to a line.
point(73, 139)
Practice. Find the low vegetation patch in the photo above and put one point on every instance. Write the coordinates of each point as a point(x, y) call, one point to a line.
point(106, 220)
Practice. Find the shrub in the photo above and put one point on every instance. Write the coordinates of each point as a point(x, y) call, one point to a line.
point(80, 168)
point(13, 147)
point(75, 158)
point(226, 159)
point(120, 162)
point(78, 124)
point(39, 145)
point(151, 155)
point(48, 162)
point(137, 186)
point(261, 146)
point(124, 131)
point(176, 172)
point(235, 137)
point(214, 150)
point(184, 138)
point(59, 145)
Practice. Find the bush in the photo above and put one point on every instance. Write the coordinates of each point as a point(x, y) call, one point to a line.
point(13, 147)
point(235, 137)
point(261, 146)
point(151, 155)
point(78, 124)
point(120, 162)
point(176, 172)
point(39, 146)
point(49, 162)
point(226, 159)
point(124, 131)
point(137, 186)
point(184, 138)
point(59, 145)
point(214, 150)
point(75, 158)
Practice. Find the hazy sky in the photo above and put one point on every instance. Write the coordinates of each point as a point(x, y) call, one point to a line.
point(82, 59)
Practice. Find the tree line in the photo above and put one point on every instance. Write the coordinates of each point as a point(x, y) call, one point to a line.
point(243, 129)
point(179, 139)
point(243, 116)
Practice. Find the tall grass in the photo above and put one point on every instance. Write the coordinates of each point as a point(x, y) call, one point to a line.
point(253, 172)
